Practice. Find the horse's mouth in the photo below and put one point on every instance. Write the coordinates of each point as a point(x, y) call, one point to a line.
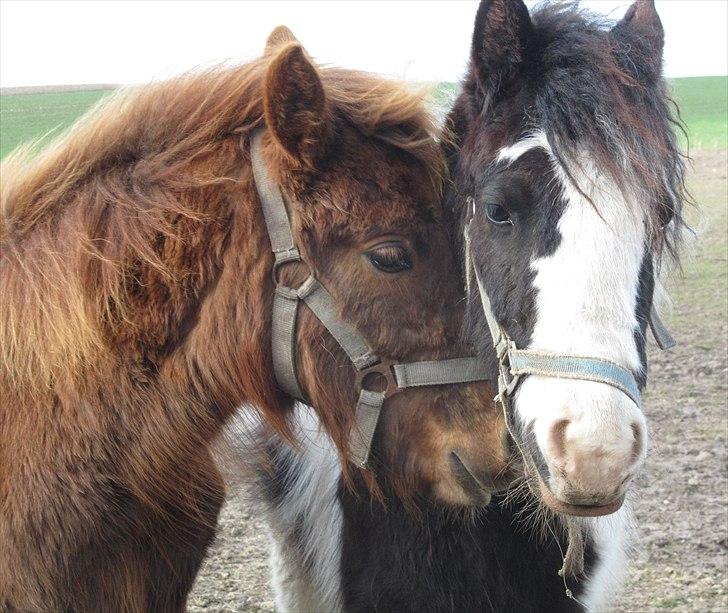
point(579, 510)
point(478, 486)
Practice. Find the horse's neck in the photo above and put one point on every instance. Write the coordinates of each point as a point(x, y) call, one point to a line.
point(180, 305)
point(220, 341)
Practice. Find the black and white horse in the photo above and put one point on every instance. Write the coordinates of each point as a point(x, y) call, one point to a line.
point(335, 548)
point(564, 152)
point(566, 167)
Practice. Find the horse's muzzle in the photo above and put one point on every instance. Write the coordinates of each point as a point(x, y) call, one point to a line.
point(580, 510)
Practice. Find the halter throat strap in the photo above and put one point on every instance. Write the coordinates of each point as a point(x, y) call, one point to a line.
point(398, 376)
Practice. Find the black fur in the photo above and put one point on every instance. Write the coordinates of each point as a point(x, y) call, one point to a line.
point(439, 562)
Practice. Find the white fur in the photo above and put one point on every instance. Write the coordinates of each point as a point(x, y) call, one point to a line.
point(586, 294)
point(292, 586)
point(306, 529)
point(612, 539)
point(513, 152)
point(311, 500)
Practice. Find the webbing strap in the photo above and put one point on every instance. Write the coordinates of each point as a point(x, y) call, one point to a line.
point(514, 363)
point(412, 374)
point(663, 338)
point(440, 372)
point(283, 333)
point(285, 307)
point(318, 299)
point(574, 367)
point(285, 301)
point(271, 201)
point(368, 408)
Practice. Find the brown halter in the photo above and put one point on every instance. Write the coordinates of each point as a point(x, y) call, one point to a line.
point(398, 376)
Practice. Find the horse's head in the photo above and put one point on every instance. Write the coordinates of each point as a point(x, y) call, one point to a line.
point(568, 172)
point(360, 173)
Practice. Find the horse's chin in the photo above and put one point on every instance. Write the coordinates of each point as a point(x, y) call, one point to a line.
point(478, 487)
point(577, 510)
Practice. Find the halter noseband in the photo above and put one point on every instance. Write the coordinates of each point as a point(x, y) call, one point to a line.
point(514, 363)
point(398, 376)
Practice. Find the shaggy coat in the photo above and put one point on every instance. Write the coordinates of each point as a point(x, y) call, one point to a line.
point(135, 275)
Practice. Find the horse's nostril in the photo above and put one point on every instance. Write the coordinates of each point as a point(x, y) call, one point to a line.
point(639, 442)
point(557, 442)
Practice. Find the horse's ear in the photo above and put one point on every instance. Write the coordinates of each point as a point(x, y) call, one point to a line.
point(295, 104)
point(500, 40)
point(278, 37)
point(642, 33)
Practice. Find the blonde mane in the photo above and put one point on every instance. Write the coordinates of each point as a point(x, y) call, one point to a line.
point(167, 123)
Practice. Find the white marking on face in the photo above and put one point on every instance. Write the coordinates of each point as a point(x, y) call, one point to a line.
point(585, 305)
point(513, 152)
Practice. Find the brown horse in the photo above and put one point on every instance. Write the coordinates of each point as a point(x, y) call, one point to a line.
point(135, 276)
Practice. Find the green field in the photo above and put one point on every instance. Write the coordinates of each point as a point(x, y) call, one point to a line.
point(28, 116)
point(703, 102)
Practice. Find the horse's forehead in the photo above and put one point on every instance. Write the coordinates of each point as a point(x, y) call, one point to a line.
point(389, 189)
point(488, 134)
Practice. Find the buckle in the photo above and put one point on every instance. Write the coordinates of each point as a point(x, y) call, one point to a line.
point(378, 377)
point(507, 382)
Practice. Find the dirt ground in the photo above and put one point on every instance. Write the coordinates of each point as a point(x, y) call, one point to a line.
point(681, 500)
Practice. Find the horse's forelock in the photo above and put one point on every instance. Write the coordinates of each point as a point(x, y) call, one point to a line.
point(597, 92)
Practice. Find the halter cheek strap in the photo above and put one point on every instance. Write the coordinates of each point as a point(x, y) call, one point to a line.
point(398, 376)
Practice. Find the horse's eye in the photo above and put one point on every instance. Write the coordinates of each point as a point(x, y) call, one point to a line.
point(390, 258)
point(497, 214)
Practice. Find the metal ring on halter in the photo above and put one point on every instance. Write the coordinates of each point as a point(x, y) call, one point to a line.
point(384, 368)
point(287, 257)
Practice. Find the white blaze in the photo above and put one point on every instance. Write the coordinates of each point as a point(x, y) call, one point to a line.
point(585, 305)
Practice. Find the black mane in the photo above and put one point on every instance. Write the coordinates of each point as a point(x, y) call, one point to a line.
point(591, 85)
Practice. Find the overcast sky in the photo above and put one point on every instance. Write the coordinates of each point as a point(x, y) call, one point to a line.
point(121, 41)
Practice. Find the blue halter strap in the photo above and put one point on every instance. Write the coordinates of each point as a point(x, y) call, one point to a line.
point(514, 363)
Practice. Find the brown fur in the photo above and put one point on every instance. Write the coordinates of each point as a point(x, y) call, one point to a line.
point(135, 275)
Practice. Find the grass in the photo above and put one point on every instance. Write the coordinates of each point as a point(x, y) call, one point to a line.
point(703, 102)
point(669, 603)
point(25, 117)
point(704, 279)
